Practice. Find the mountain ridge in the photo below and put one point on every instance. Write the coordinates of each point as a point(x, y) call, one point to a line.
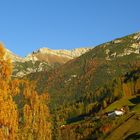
point(73, 53)
point(47, 59)
point(42, 59)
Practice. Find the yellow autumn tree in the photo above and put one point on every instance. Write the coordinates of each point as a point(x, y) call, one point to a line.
point(36, 115)
point(8, 108)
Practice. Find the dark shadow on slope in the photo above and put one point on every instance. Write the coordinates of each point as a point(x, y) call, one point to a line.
point(75, 119)
point(134, 136)
point(135, 100)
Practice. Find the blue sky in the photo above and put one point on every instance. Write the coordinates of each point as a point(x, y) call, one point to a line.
point(26, 25)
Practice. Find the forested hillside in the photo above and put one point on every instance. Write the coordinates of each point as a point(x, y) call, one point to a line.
point(87, 118)
point(84, 87)
point(87, 73)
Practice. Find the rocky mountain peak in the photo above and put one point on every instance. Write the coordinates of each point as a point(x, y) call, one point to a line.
point(63, 53)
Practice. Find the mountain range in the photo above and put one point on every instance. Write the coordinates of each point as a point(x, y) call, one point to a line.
point(47, 59)
point(42, 59)
point(84, 85)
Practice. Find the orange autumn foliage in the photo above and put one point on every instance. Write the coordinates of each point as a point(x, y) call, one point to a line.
point(106, 128)
point(8, 108)
point(36, 117)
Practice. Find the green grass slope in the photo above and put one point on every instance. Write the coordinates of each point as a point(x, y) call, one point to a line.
point(125, 101)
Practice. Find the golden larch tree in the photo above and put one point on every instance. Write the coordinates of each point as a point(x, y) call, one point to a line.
point(37, 125)
point(8, 108)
